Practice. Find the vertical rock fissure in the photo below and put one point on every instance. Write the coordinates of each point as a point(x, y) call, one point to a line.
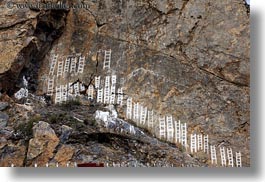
point(49, 28)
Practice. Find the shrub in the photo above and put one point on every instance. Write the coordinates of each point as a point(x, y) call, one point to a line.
point(26, 128)
point(70, 104)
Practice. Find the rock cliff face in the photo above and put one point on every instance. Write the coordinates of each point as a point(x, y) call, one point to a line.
point(185, 58)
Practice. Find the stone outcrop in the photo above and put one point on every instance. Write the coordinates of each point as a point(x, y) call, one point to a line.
point(26, 35)
point(43, 144)
point(3, 105)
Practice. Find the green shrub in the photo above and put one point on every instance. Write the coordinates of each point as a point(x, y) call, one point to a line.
point(70, 104)
point(57, 118)
point(26, 128)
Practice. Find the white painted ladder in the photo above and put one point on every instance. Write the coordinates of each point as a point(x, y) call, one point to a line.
point(50, 86)
point(58, 97)
point(136, 112)
point(162, 127)
point(150, 119)
point(238, 159)
point(184, 135)
point(113, 79)
point(206, 144)
point(73, 65)
point(129, 108)
point(112, 94)
point(64, 93)
point(223, 156)
point(60, 68)
point(53, 64)
point(230, 157)
point(199, 142)
point(170, 128)
point(90, 92)
point(97, 81)
point(67, 65)
point(107, 58)
point(107, 90)
point(100, 95)
point(193, 143)
point(120, 97)
point(177, 132)
point(213, 155)
point(81, 64)
point(76, 89)
point(143, 115)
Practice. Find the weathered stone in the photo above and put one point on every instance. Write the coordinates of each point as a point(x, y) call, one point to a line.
point(66, 131)
point(12, 154)
point(64, 154)
point(25, 36)
point(3, 142)
point(42, 146)
point(3, 105)
point(3, 119)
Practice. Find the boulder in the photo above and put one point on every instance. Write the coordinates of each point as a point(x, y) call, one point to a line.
point(66, 131)
point(43, 144)
point(64, 154)
point(3, 119)
point(3, 105)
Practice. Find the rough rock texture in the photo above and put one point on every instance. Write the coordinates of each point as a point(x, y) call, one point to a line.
point(187, 58)
point(87, 141)
point(43, 143)
point(26, 35)
point(3, 119)
point(3, 105)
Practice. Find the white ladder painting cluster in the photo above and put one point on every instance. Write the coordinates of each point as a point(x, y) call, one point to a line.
point(177, 134)
point(169, 129)
point(106, 93)
point(63, 67)
point(68, 91)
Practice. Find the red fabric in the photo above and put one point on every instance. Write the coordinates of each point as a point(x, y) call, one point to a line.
point(90, 165)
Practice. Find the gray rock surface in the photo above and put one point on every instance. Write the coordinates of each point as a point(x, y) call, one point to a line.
point(3, 105)
point(3, 119)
